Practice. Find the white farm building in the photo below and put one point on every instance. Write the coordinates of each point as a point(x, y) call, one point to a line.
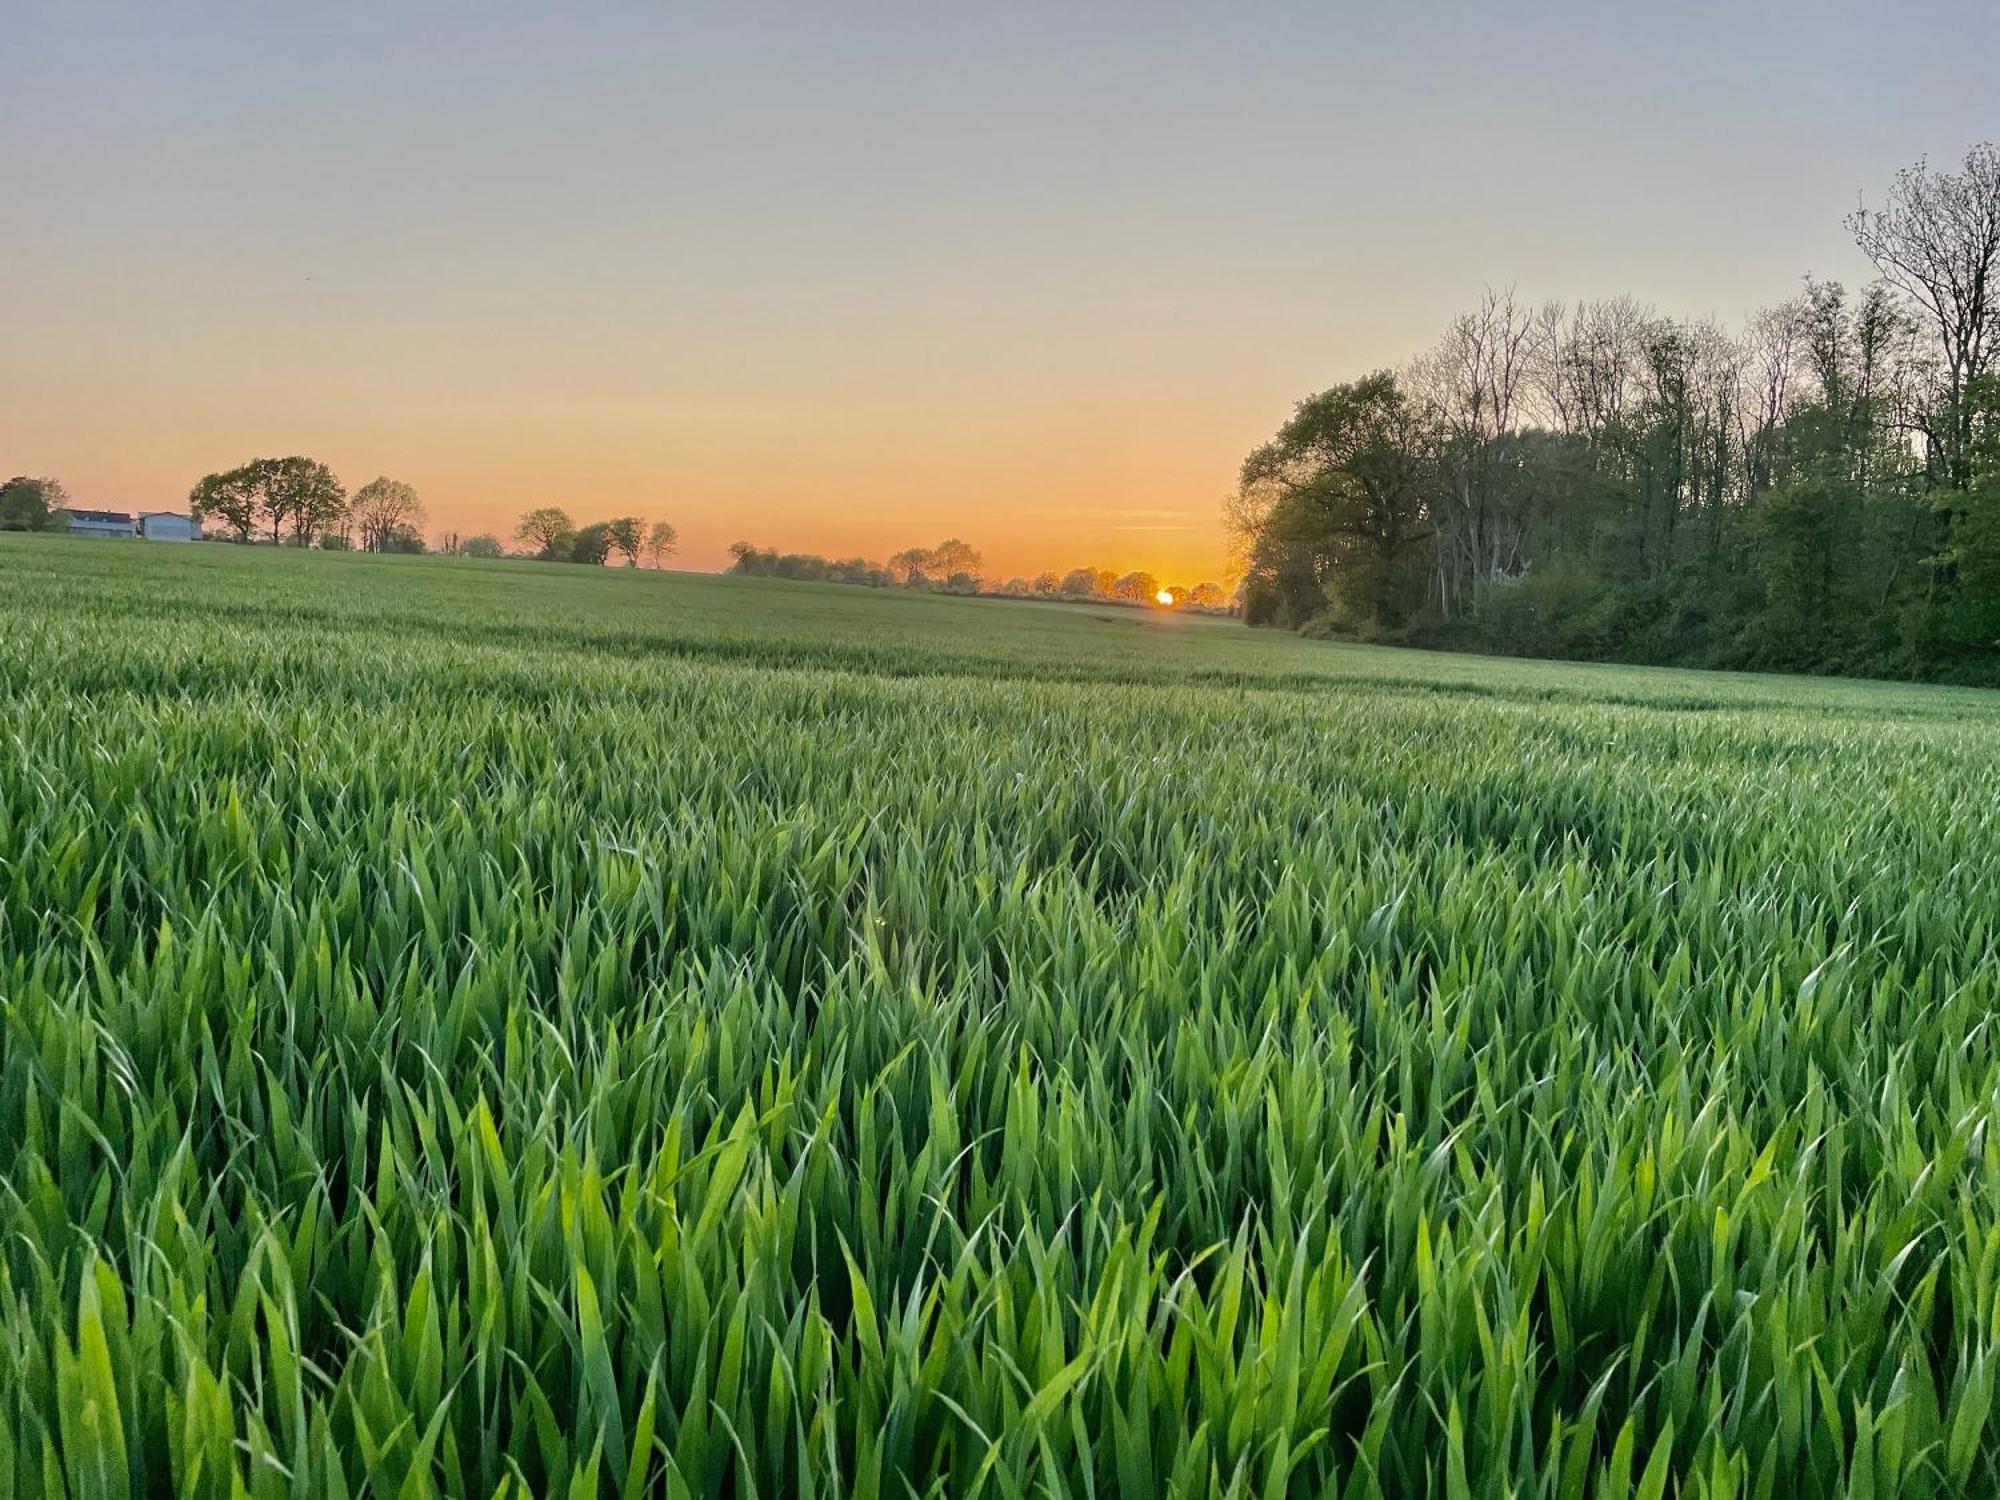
point(100, 523)
point(169, 526)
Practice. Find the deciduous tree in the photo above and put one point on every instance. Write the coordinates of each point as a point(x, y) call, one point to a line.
point(229, 497)
point(296, 490)
point(627, 537)
point(954, 556)
point(1088, 583)
point(548, 530)
point(381, 508)
point(591, 544)
point(1139, 586)
point(1937, 239)
point(1340, 500)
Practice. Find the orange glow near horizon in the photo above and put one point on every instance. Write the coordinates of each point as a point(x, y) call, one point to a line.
point(1182, 543)
point(1037, 490)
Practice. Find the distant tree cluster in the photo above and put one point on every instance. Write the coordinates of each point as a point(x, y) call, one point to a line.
point(1817, 490)
point(1101, 584)
point(29, 504)
point(953, 567)
point(298, 501)
point(752, 561)
point(388, 516)
point(549, 535)
point(482, 544)
point(292, 499)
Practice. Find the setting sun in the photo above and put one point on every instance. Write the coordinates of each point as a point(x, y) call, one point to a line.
point(1164, 597)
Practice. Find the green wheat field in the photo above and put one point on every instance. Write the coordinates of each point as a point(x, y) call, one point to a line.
point(499, 1029)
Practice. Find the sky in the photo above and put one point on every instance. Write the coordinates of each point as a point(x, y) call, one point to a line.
point(847, 277)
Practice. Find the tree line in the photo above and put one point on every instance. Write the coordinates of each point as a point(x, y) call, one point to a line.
point(955, 567)
point(1818, 489)
point(298, 501)
point(549, 535)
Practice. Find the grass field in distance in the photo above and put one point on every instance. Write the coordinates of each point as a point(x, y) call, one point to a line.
point(485, 1029)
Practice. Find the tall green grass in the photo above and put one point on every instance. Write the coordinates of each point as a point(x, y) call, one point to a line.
point(503, 1031)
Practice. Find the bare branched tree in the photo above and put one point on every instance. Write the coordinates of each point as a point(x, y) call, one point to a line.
point(1472, 385)
point(1937, 240)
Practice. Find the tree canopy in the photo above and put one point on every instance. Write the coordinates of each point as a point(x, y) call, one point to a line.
point(387, 512)
point(298, 493)
point(1815, 490)
point(548, 530)
point(627, 536)
point(31, 504)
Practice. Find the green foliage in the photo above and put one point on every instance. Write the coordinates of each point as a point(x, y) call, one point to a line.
point(548, 532)
point(406, 540)
point(1338, 512)
point(606, 1033)
point(299, 493)
point(591, 544)
point(1966, 625)
point(1973, 620)
point(227, 499)
point(627, 535)
point(29, 504)
point(913, 567)
point(388, 514)
point(1802, 534)
point(551, 536)
point(1599, 480)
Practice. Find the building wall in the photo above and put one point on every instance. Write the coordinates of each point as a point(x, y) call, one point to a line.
point(166, 527)
point(99, 528)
